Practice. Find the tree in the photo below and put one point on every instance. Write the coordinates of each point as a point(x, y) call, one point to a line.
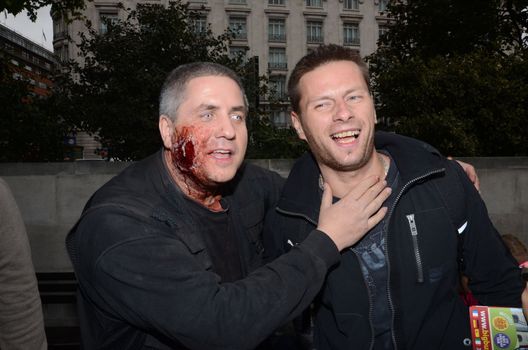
point(456, 77)
point(115, 91)
point(70, 8)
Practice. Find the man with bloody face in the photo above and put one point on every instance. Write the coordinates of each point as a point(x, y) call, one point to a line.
point(168, 254)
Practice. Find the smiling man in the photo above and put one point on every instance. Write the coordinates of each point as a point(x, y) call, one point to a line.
point(396, 288)
point(168, 254)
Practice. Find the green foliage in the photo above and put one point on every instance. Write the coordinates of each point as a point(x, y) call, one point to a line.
point(62, 7)
point(29, 128)
point(455, 78)
point(268, 141)
point(116, 89)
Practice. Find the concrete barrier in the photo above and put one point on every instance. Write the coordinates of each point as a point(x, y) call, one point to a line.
point(51, 197)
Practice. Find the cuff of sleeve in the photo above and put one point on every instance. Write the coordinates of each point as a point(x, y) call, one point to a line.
point(319, 244)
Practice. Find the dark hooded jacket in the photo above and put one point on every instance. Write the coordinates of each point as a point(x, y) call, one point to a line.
point(423, 263)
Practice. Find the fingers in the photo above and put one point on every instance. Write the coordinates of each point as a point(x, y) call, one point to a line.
point(374, 204)
point(363, 186)
point(346, 221)
point(476, 182)
point(471, 173)
point(326, 200)
point(376, 218)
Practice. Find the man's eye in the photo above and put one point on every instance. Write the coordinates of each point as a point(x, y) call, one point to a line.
point(207, 116)
point(237, 117)
point(321, 106)
point(353, 98)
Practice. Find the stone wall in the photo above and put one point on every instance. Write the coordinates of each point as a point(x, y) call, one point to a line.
point(51, 197)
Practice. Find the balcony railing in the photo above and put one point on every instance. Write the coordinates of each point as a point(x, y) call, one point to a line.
point(278, 65)
point(277, 37)
point(351, 41)
point(314, 39)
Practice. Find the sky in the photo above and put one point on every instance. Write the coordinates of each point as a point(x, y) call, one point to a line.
point(32, 30)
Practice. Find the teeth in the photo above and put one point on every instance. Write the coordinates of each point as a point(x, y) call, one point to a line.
point(222, 151)
point(350, 133)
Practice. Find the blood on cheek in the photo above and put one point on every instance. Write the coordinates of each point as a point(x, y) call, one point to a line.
point(188, 144)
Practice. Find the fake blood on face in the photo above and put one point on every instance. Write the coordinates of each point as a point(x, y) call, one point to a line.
point(183, 151)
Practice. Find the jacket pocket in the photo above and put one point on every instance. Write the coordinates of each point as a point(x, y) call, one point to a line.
point(252, 218)
point(433, 243)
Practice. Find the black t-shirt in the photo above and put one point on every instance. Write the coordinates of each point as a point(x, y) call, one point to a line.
point(220, 240)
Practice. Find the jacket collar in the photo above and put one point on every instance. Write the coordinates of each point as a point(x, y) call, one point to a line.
point(301, 194)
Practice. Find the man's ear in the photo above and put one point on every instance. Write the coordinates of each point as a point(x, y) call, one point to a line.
point(166, 129)
point(296, 122)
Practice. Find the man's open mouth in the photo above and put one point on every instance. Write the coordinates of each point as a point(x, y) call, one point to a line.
point(345, 136)
point(222, 153)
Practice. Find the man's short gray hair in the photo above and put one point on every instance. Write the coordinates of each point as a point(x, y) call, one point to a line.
point(173, 89)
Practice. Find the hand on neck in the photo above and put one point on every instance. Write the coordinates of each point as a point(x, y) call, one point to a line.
point(343, 181)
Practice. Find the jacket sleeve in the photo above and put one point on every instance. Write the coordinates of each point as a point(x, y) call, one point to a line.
point(493, 273)
point(155, 283)
point(21, 321)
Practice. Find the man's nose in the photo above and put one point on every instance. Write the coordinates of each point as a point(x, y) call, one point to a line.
point(343, 112)
point(225, 127)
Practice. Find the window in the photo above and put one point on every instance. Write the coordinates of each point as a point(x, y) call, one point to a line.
point(351, 5)
point(276, 2)
point(382, 30)
point(105, 19)
point(314, 3)
point(350, 34)
point(63, 53)
point(238, 27)
point(276, 30)
point(60, 27)
point(237, 1)
point(238, 51)
point(200, 25)
point(277, 58)
point(382, 5)
point(277, 86)
point(279, 118)
point(314, 32)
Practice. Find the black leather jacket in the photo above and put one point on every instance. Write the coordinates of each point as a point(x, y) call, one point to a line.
point(145, 277)
point(427, 312)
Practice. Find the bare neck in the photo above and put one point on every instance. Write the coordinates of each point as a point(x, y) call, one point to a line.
point(342, 182)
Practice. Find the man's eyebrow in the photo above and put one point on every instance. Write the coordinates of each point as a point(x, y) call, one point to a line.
point(207, 107)
point(331, 97)
point(238, 109)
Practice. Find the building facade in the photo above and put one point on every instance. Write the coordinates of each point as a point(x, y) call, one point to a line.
point(28, 60)
point(278, 32)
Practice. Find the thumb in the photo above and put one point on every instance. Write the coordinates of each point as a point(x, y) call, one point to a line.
point(326, 200)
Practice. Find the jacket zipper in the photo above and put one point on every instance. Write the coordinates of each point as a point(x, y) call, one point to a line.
point(298, 215)
point(417, 255)
point(391, 304)
point(404, 188)
point(372, 337)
